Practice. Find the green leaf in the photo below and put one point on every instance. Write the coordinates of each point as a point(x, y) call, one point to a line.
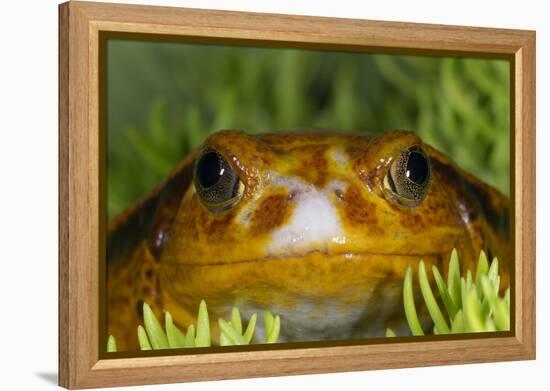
point(154, 330)
point(431, 303)
point(504, 309)
point(408, 300)
point(485, 307)
point(111, 344)
point(458, 324)
point(268, 321)
point(490, 325)
point(234, 337)
point(203, 326)
point(236, 320)
point(249, 332)
point(157, 122)
point(501, 315)
point(155, 161)
point(194, 126)
point(453, 279)
point(493, 271)
point(190, 337)
point(472, 308)
point(482, 264)
point(390, 333)
point(224, 340)
point(444, 293)
point(143, 340)
point(273, 335)
point(175, 337)
point(482, 270)
point(396, 74)
point(469, 283)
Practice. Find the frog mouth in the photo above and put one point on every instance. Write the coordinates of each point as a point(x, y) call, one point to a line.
point(349, 278)
point(321, 255)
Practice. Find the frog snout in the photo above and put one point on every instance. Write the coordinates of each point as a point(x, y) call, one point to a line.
point(314, 219)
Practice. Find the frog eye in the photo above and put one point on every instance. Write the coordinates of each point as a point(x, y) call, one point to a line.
point(216, 183)
point(408, 177)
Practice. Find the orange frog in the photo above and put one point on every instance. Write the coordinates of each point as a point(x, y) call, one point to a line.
point(316, 227)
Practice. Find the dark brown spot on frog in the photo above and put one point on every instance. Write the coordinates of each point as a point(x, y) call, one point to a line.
point(413, 222)
point(314, 165)
point(149, 274)
point(359, 211)
point(215, 224)
point(271, 213)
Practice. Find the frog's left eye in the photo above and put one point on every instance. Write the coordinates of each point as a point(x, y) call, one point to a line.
point(408, 177)
point(216, 183)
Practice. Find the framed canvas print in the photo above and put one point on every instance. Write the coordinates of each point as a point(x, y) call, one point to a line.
point(296, 194)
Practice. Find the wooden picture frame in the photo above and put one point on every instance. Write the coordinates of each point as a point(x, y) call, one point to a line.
point(81, 25)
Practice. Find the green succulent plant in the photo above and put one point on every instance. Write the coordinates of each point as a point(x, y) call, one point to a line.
point(471, 305)
point(151, 335)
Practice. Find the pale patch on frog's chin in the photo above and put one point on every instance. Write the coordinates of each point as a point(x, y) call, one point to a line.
point(314, 221)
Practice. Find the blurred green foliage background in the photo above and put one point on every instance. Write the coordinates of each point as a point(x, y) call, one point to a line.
point(165, 98)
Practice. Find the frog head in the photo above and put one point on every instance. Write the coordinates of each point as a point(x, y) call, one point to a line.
point(317, 227)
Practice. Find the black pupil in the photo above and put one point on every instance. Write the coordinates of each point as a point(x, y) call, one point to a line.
point(417, 168)
point(209, 169)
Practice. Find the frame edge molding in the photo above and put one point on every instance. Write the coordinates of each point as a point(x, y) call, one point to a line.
point(79, 364)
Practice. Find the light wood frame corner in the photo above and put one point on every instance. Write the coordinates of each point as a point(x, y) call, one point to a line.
point(80, 26)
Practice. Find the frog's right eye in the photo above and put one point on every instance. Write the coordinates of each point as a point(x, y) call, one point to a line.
point(408, 177)
point(216, 182)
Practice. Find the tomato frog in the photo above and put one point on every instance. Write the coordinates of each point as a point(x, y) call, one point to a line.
point(317, 227)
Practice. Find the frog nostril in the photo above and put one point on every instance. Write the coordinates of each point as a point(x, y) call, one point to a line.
point(339, 194)
point(292, 195)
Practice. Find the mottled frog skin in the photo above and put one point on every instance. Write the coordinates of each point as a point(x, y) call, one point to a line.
point(317, 227)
